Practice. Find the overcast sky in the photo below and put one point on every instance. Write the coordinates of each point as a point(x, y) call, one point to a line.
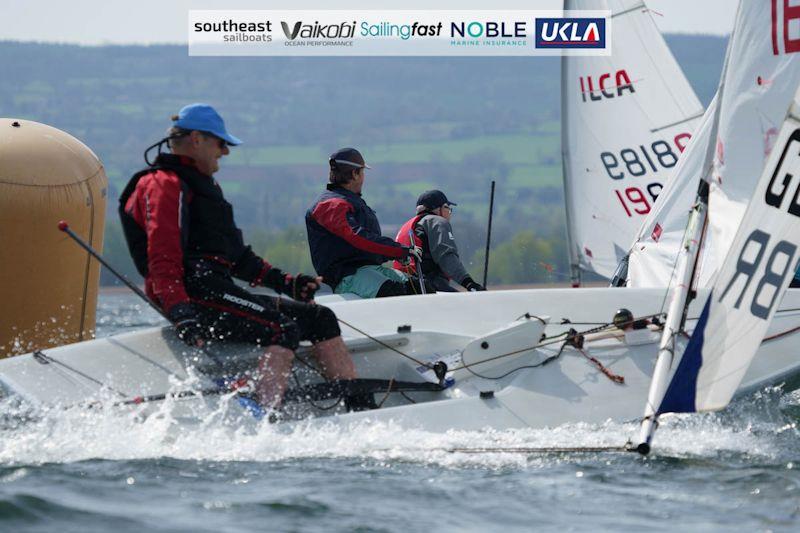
point(164, 21)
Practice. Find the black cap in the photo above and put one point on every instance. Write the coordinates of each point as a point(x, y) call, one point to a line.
point(433, 199)
point(349, 157)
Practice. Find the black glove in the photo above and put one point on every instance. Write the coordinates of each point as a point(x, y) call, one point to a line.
point(303, 287)
point(471, 285)
point(185, 318)
point(414, 254)
point(297, 287)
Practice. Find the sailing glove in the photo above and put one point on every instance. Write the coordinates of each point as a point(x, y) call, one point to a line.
point(471, 285)
point(415, 253)
point(303, 287)
point(300, 287)
point(185, 318)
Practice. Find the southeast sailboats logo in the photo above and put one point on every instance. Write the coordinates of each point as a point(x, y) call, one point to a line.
point(570, 33)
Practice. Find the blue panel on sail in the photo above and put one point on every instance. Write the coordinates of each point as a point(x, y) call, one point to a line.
point(680, 395)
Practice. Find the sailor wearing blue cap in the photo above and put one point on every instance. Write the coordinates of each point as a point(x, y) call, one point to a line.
point(204, 118)
point(183, 238)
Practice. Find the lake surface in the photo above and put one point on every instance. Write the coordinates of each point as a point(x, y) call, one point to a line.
point(90, 471)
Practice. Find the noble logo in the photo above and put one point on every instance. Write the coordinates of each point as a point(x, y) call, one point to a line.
point(566, 32)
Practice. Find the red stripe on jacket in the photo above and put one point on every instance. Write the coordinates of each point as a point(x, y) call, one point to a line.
point(332, 215)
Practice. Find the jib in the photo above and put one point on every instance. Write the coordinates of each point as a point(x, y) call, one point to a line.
point(622, 82)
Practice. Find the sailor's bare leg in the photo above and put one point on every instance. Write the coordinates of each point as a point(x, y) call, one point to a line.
point(273, 368)
point(334, 359)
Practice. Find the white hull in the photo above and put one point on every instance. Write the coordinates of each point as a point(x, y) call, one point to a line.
point(567, 390)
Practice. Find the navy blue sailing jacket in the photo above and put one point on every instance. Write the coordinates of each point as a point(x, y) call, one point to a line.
point(344, 235)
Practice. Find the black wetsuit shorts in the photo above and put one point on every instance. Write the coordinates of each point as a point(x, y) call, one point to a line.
point(235, 314)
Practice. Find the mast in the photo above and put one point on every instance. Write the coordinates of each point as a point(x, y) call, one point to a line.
point(676, 315)
point(572, 248)
point(686, 268)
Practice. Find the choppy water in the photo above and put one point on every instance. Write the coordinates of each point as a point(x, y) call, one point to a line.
point(79, 471)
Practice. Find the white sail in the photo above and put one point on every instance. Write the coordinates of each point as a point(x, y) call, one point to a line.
point(655, 251)
point(759, 245)
point(752, 280)
point(758, 87)
point(626, 119)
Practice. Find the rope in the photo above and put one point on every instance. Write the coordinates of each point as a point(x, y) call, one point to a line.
point(781, 334)
point(404, 395)
point(537, 365)
point(616, 378)
point(42, 357)
point(309, 400)
point(388, 392)
point(553, 339)
point(544, 341)
point(385, 345)
point(545, 449)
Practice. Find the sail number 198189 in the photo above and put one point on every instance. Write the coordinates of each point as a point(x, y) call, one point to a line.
point(640, 161)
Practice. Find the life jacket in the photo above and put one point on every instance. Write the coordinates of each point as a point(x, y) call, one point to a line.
point(208, 230)
point(429, 267)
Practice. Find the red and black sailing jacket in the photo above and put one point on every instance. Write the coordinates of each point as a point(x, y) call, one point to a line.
point(344, 235)
point(429, 267)
point(177, 222)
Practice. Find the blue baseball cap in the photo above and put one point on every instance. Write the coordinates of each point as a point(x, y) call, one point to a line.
point(203, 117)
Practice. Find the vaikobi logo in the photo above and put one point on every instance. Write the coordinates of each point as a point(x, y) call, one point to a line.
point(582, 33)
point(342, 30)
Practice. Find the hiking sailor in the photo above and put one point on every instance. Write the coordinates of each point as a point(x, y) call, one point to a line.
point(184, 241)
point(433, 233)
point(344, 236)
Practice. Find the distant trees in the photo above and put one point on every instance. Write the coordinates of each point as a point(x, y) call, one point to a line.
point(525, 258)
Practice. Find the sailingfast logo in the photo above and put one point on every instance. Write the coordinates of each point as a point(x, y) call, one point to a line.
point(566, 32)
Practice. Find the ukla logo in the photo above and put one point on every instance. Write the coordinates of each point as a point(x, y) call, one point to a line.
point(585, 33)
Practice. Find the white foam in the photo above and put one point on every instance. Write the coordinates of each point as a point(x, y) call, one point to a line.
point(221, 433)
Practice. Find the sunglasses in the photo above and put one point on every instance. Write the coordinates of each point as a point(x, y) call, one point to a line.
point(222, 143)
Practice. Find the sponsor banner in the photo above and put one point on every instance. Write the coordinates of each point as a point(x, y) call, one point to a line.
point(398, 33)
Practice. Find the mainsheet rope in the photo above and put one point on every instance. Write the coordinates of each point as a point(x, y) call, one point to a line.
point(564, 337)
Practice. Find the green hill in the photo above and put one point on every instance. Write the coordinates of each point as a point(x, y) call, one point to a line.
point(450, 123)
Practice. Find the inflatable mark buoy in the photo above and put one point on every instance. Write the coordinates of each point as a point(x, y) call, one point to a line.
point(48, 284)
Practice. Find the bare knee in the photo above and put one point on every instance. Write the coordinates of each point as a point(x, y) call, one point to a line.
point(277, 359)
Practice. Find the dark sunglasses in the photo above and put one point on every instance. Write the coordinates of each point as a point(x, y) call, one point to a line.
point(221, 142)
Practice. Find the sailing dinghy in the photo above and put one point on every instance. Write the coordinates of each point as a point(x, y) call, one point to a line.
point(503, 359)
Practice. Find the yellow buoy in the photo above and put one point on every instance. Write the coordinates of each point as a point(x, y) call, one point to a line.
point(48, 284)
